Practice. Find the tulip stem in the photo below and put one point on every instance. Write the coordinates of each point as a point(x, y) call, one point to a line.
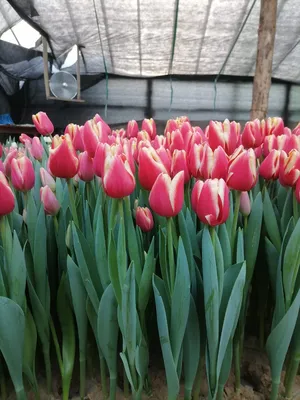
point(291, 374)
point(72, 202)
point(171, 254)
point(295, 208)
point(235, 219)
point(103, 377)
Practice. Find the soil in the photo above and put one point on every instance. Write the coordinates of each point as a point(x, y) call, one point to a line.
point(255, 373)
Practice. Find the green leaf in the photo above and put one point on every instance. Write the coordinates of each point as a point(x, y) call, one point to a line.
point(113, 269)
point(31, 219)
point(68, 335)
point(170, 367)
point(12, 330)
point(30, 341)
point(225, 244)
point(291, 263)
point(107, 328)
point(17, 273)
point(287, 212)
point(180, 303)
point(191, 347)
point(61, 241)
point(272, 260)
point(163, 258)
point(121, 253)
point(271, 222)
point(145, 283)
point(240, 256)
point(252, 235)
point(211, 298)
point(192, 233)
point(100, 249)
point(79, 296)
point(231, 316)
point(186, 242)
point(88, 227)
point(280, 338)
point(219, 264)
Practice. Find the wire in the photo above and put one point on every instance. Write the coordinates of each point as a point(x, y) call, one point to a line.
point(173, 50)
point(230, 51)
point(104, 61)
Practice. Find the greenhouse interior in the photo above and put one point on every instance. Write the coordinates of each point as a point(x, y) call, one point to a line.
point(149, 199)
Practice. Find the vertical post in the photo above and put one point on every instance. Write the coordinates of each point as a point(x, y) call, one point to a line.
point(78, 72)
point(46, 73)
point(148, 110)
point(264, 58)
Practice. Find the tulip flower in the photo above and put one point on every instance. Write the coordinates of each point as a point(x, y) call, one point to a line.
point(179, 163)
point(225, 134)
point(173, 124)
point(49, 201)
point(22, 174)
point(289, 168)
point(103, 126)
point(213, 164)
point(7, 198)
point(149, 126)
point(132, 129)
point(43, 124)
point(143, 136)
point(166, 158)
point(118, 179)
point(269, 168)
point(273, 126)
point(253, 136)
point(242, 174)
point(210, 201)
point(296, 130)
point(126, 148)
point(92, 135)
point(150, 166)
point(71, 129)
point(47, 179)
point(63, 161)
point(245, 204)
point(7, 162)
point(102, 150)
point(144, 219)
point(297, 191)
point(158, 141)
point(23, 138)
point(167, 195)
point(37, 149)
point(177, 141)
point(86, 168)
point(2, 167)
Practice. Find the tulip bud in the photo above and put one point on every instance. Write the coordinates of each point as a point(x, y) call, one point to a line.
point(210, 201)
point(37, 149)
point(63, 161)
point(273, 126)
point(165, 156)
point(47, 179)
point(86, 167)
point(118, 179)
point(132, 129)
point(22, 174)
point(71, 129)
point(150, 166)
point(289, 168)
point(2, 166)
point(175, 141)
point(69, 237)
point(93, 134)
point(269, 168)
point(245, 204)
point(144, 219)
point(242, 174)
point(213, 164)
point(105, 129)
point(7, 198)
point(225, 134)
point(296, 130)
point(7, 162)
point(253, 135)
point(179, 163)
point(50, 202)
point(43, 124)
point(25, 138)
point(167, 195)
point(149, 126)
point(158, 141)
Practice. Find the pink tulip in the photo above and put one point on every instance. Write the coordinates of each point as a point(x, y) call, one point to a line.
point(7, 198)
point(245, 204)
point(86, 167)
point(167, 195)
point(7, 162)
point(289, 168)
point(179, 163)
point(225, 134)
point(210, 201)
point(22, 174)
point(25, 138)
point(47, 179)
point(253, 135)
point(63, 161)
point(269, 168)
point(49, 201)
point(242, 174)
point(132, 129)
point(150, 166)
point(37, 149)
point(144, 219)
point(149, 126)
point(43, 124)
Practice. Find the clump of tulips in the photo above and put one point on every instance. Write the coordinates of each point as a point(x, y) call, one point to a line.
point(109, 228)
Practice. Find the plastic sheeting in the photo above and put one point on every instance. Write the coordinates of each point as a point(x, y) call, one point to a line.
point(134, 37)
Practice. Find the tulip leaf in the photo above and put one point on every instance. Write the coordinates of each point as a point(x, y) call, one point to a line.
point(219, 264)
point(145, 282)
point(225, 244)
point(12, 329)
point(186, 242)
point(240, 256)
point(61, 242)
point(79, 296)
point(271, 222)
point(127, 371)
point(164, 337)
point(291, 263)
point(30, 342)
point(107, 329)
point(88, 227)
point(226, 365)
point(287, 211)
point(280, 338)
point(231, 316)
point(113, 269)
point(163, 258)
point(211, 298)
point(100, 249)
point(31, 219)
point(191, 347)
point(252, 235)
point(17, 273)
point(68, 335)
point(272, 260)
point(180, 303)
point(121, 253)
point(191, 229)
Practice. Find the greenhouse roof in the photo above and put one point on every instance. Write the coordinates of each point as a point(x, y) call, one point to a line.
point(137, 37)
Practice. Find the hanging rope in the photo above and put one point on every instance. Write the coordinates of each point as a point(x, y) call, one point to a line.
point(104, 61)
point(173, 50)
point(230, 51)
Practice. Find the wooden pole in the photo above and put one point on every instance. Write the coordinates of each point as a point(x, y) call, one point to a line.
point(264, 59)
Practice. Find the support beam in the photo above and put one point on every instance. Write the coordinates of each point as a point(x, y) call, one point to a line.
point(264, 59)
